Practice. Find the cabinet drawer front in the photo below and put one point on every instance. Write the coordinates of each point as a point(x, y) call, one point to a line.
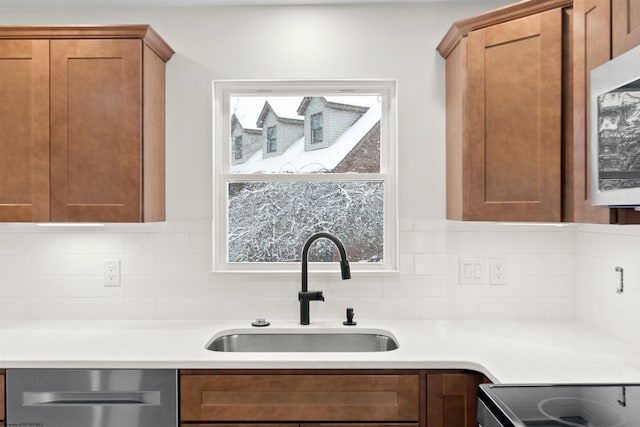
point(299, 398)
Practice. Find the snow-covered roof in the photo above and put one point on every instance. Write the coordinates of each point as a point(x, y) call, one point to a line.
point(337, 105)
point(281, 107)
point(296, 160)
point(247, 109)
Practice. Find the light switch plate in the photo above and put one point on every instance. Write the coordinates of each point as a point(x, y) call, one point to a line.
point(471, 271)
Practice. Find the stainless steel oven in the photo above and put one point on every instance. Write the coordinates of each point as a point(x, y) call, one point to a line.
point(91, 398)
point(559, 405)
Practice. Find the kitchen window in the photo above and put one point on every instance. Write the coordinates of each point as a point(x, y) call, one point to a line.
point(267, 206)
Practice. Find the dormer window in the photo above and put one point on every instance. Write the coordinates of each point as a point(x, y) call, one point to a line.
point(237, 147)
point(316, 128)
point(272, 144)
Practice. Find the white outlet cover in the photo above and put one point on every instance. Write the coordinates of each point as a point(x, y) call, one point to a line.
point(498, 271)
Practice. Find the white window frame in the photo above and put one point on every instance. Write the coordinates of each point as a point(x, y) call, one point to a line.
point(223, 89)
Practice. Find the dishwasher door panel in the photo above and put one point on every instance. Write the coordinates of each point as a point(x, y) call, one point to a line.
point(91, 397)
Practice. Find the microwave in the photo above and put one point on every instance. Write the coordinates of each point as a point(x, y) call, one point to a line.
point(614, 137)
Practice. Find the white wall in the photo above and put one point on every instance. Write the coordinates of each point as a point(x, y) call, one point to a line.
point(165, 267)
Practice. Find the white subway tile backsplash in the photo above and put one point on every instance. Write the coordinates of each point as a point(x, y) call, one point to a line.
point(431, 264)
point(189, 308)
point(511, 307)
point(553, 273)
point(543, 242)
point(156, 243)
point(527, 264)
point(423, 242)
point(447, 308)
point(68, 265)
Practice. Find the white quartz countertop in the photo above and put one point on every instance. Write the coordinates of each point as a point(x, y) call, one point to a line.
point(506, 351)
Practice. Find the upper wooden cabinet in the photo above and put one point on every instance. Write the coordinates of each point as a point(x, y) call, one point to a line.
point(589, 46)
point(82, 124)
point(504, 87)
point(517, 108)
point(625, 17)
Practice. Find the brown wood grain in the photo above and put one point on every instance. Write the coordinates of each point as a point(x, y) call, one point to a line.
point(96, 130)
point(300, 398)
point(82, 124)
point(2, 412)
point(154, 137)
point(456, 87)
point(513, 135)
point(24, 130)
point(625, 19)
point(139, 32)
point(462, 28)
point(452, 399)
point(591, 25)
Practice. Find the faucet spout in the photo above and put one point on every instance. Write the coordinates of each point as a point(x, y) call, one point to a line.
point(304, 296)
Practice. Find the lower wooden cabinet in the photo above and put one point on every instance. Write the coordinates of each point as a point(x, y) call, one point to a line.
point(336, 398)
point(452, 399)
point(267, 397)
point(1, 399)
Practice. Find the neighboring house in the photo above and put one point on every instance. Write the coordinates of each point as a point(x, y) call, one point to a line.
point(325, 121)
point(365, 156)
point(278, 131)
point(355, 149)
point(244, 142)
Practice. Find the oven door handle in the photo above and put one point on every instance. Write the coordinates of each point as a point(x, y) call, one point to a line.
point(90, 398)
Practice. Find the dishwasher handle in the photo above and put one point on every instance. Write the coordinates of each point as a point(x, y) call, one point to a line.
point(90, 398)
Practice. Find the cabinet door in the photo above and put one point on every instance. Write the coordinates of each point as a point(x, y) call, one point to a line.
point(24, 130)
point(96, 130)
point(625, 20)
point(513, 152)
point(299, 398)
point(452, 399)
point(591, 48)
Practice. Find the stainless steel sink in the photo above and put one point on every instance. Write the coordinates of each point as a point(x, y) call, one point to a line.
point(317, 340)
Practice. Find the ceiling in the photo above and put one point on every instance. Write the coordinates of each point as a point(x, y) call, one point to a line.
point(22, 4)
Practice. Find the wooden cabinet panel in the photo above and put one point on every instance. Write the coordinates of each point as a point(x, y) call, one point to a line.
point(504, 85)
point(590, 48)
point(299, 398)
point(236, 425)
point(452, 399)
point(96, 99)
point(82, 125)
point(2, 415)
point(514, 129)
point(24, 130)
point(625, 18)
point(359, 425)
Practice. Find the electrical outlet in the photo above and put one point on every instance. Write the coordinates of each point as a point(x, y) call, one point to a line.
point(111, 272)
point(498, 271)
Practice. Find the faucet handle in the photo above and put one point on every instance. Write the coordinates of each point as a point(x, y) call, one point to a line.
point(310, 296)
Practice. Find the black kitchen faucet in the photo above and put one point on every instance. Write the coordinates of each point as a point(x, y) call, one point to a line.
point(305, 295)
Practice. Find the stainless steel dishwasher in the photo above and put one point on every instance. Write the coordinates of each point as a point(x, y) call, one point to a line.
point(91, 398)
